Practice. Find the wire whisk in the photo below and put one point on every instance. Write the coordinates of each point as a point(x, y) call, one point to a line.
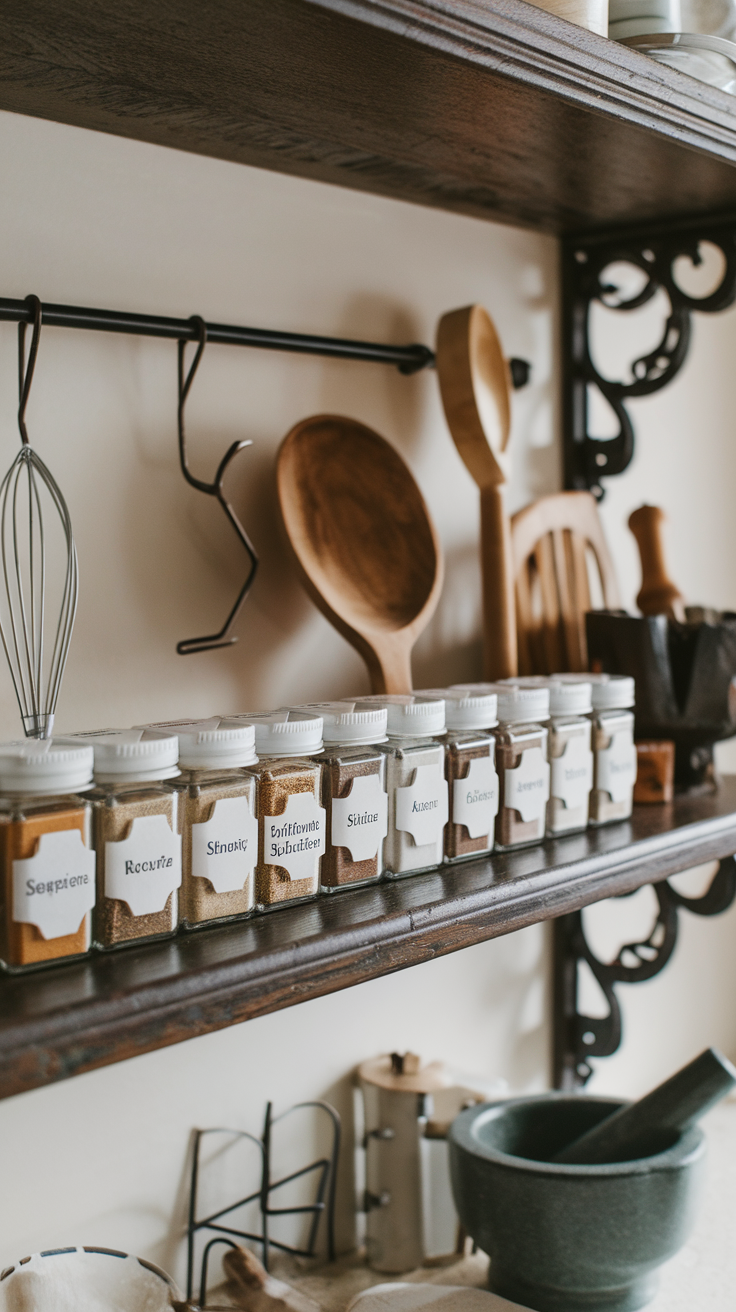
point(30, 560)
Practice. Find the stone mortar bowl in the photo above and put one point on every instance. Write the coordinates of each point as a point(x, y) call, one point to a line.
point(569, 1238)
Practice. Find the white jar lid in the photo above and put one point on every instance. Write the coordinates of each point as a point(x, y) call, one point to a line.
point(211, 744)
point(344, 724)
point(610, 692)
point(132, 755)
point(285, 732)
point(523, 699)
point(467, 708)
point(45, 767)
point(409, 716)
point(569, 694)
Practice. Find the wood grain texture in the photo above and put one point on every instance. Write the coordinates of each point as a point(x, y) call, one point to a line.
point(489, 107)
point(363, 541)
point(658, 595)
point(62, 1021)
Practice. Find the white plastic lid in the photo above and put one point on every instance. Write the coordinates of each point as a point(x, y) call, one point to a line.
point(344, 725)
point(211, 744)
point(610, 692)
point(569, 694)
point(44, 767)
point(285, 732)
point(409, 716)
point(132, 755)
point(466, 708)
point(523, 699)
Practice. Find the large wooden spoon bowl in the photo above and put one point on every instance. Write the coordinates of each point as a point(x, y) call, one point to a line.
point(364, 544)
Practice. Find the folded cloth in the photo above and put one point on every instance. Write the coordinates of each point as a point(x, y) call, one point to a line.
point(77, 1281)
point(398, 1297)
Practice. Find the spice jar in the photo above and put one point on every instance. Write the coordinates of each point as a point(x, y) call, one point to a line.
point(470, 770)
point(521, 760)
point(136, 836)
point(47, 865)
point(217, 819)
point(614, 752)
point(353, 793)
point(570, 755)
point(291, 822)
point(415, 782)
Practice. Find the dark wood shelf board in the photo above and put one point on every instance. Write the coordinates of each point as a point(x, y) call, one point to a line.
point(489, 107)
point(68, 1019)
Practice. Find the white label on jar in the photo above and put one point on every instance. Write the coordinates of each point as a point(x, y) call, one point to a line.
point(225, 847)
point(55, 889)
point(526, 789)
point(572, 773)
point(296, 838)
point(475, 798)
point(422, 808)
point(144, 868)
point(360, 820)
point(615, 767)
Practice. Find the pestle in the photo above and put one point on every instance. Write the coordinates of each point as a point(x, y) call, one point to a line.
point(644, 1128)
point(658, 595)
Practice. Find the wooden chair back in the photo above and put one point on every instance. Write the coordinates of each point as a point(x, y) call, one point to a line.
point(554, 543)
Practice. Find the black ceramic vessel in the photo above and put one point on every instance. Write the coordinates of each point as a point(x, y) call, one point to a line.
point(684, 681)
point(569, 1238)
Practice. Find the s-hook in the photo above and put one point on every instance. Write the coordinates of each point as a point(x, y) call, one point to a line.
point(224, 638)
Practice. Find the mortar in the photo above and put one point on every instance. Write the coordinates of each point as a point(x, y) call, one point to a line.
point(569, 1238)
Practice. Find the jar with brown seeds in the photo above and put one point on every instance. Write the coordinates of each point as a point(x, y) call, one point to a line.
point(136, 836)
point(522, 764)
point(353, 794)
point(291, 821)
point(217, 819)
point(47, 866)
point(470, 769)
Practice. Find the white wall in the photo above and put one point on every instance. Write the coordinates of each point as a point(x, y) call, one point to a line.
point(98, 221)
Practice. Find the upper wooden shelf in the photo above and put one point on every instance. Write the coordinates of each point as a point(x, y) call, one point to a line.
point(61, 1021)
point(489, 107)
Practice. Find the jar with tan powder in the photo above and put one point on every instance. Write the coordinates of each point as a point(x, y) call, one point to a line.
point(219, 830)
point(47, 865)
point(523, 767)
point(353, 793)
point(470, 770)
point(291, 820)
point(415, 782)
point(136, 835)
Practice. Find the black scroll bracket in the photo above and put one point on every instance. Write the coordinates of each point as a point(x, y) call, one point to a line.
point(578, 1038)
point(584, 281)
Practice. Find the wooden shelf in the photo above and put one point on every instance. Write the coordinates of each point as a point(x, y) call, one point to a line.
point(490, 107)
point(61, 1021)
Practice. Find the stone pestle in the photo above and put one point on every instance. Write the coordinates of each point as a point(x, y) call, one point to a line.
point(644, 1128)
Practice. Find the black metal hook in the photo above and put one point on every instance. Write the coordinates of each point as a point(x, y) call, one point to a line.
point(25, 370)
point(224, 638)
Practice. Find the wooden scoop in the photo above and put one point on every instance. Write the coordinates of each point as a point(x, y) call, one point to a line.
point(364, 543)
point(658, 594)
point(475, 388)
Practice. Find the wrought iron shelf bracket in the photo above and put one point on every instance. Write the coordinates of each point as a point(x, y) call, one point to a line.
point(585, 281)
point(578, 1038)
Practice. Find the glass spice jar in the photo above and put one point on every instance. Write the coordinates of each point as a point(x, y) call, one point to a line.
point(217, 820)
point(47, 865)
point(291, 822)
point(353, 793)
point(523, 768)
point(136, 835)
point(570, 755)
point(415, 782)
point(614, 752)
point(470, 770)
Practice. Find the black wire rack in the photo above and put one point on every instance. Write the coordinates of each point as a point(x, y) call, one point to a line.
point(324, 1168)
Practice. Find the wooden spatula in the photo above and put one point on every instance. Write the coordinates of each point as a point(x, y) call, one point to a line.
point(364, 543)
point(475, 386)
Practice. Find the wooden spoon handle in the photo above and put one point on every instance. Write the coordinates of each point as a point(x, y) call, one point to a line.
point(499, 613)
point(658, 594)
point(389, 664)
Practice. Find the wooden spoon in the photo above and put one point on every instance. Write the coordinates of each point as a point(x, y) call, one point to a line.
point(364, 543)
point(475, 388)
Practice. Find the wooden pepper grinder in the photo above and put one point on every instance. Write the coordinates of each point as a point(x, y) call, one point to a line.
point(658, 594)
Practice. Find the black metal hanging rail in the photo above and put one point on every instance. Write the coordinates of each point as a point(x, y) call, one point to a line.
point(407, 359)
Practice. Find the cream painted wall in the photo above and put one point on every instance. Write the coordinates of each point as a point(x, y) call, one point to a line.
point(95, 220)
